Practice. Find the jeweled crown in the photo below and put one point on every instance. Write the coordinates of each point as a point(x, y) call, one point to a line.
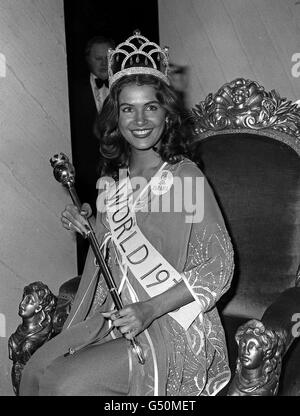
point(137, 55)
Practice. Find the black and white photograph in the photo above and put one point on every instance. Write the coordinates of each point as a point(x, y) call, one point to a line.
point(150, 201)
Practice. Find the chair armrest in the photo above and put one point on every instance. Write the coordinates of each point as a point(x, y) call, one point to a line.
point(35, 329)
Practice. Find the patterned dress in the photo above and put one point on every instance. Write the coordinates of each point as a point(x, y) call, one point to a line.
point(179, 362)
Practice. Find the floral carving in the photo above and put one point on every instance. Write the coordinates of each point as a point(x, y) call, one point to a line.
point(244, 104)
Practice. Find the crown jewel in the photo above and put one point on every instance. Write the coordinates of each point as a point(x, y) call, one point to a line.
point(137, 55)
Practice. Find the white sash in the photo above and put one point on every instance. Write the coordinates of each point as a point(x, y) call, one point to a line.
point(148, 266)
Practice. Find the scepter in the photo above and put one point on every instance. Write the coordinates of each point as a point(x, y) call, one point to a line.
point(64, 173)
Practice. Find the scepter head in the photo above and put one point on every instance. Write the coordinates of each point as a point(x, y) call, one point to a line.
point(63, 170)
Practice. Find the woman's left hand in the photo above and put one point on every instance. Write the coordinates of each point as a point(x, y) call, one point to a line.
point(132, 319)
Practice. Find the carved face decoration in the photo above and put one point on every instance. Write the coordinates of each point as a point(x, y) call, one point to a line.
point(240, 95)
point(250, 352)
point(30, 305)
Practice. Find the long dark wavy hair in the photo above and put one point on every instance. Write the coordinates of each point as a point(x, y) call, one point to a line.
point(114, 149)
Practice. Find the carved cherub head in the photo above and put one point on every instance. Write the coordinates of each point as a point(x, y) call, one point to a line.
point(259, 349)
point(36, 310)
point(256, 344)
point(37, 300)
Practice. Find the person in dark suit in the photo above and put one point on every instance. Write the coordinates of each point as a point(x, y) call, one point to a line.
point(86, 100)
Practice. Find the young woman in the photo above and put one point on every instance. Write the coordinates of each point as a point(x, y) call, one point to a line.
point(167, 247)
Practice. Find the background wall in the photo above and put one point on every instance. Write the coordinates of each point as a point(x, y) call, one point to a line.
point(220, 40)
point(34, 125)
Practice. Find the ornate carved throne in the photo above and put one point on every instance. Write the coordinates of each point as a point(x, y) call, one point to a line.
point(249, 143)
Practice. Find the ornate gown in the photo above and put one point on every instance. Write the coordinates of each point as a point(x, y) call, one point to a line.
point(178, 361)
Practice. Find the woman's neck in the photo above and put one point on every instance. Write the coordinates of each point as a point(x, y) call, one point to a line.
point(143, 161)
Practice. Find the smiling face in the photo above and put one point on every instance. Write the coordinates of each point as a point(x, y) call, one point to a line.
point(141, 116)
point(250, 352)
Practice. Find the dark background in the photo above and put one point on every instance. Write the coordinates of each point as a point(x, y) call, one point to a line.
point(85, 19)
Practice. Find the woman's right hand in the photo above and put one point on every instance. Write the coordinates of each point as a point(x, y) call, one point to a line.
point(74, 220)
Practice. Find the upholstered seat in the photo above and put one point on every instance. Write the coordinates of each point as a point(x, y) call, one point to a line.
point(255, 179)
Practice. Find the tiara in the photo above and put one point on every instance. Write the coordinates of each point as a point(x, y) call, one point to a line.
point(137, 55)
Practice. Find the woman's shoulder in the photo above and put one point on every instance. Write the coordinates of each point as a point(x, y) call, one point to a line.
point(187, 168)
